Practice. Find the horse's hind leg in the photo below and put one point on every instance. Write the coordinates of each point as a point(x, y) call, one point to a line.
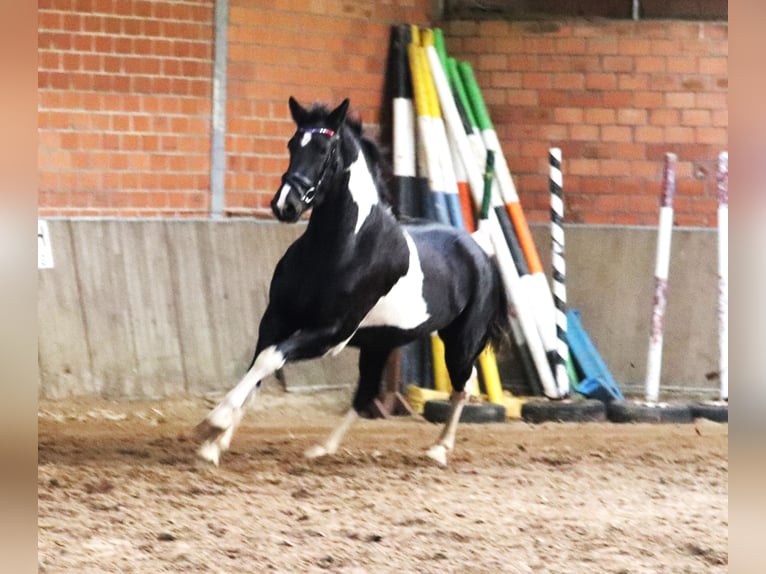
point(446, 441)
point(463, 341)
point(372, 361)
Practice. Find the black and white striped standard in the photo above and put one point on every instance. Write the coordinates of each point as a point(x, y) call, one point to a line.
point(559, 269)
point(404, 166)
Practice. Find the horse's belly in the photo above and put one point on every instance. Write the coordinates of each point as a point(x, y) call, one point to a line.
point(403, 306)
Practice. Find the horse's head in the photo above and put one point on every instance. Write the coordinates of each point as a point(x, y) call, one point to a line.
point(314, 152)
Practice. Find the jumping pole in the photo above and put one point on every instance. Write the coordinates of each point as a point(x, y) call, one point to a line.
point(719, 410)
point(508, 271)
point(723, 271)
point(559, 268)
point(651, 410)
point(542, 301)
point(654, 358)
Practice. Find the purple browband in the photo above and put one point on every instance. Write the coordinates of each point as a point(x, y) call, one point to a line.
point(324, 131)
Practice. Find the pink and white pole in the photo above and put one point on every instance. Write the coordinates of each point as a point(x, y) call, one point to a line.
point(722, 179)
point(654, 360)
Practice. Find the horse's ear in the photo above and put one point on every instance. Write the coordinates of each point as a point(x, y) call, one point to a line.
point(296, 110)
point(338, 115)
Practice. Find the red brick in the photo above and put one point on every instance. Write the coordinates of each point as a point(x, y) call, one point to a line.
point(649, 134)
point(600, 81)
point(696, 118)
point(679, 100)
point(616, 134)
point(634, 46)
point(618, 64)
point(568, 81)
point(617, 99)
point(584, 133)
point(678, 134)
point(650, 65)
point(600, 116)
point(664, 117)
point(631, 117)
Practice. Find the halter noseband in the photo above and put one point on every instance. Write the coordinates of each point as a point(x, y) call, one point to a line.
point(310, 193)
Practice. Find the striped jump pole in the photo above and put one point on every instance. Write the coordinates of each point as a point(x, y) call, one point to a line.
point(509, 274)
point(654, 359)
point(722, 179)
point(404, 168)
point(435, 207)
point(479, 153)
point(558, 264)
point(411, 363)
point(542, 301)
point(487, 359)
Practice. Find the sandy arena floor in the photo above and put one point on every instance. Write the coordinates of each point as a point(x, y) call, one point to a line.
point(120, 490)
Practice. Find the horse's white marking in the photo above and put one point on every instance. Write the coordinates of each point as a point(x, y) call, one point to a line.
point(226, 416)
point(403, 306)
point(362, 189)
point(338, 348)
point(283, 192)
point(305, 139)
point(446, 442)
point(330, 446)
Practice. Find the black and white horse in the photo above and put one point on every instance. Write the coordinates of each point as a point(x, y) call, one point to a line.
point(358, 277)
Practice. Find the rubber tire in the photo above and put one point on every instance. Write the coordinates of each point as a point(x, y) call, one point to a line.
point(566, 411)
point(717, 411)
point(437, 411)
point(640, 412)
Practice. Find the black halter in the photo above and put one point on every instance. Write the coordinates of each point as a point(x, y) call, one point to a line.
point(307, 197)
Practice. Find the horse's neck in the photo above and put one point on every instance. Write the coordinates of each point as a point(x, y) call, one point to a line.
point(344, 211)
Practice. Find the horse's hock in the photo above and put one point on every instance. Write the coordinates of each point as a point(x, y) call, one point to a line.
point(150, 309)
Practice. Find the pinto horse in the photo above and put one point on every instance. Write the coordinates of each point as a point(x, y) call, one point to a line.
point(359, 277)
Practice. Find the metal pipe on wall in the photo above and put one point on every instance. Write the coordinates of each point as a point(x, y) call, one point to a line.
point(218, 136)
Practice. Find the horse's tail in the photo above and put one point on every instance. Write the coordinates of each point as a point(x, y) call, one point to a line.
point(500, 327)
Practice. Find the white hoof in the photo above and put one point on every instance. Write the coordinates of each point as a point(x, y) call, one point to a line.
point(316, 451)
point(210, 451)
point(438, 452)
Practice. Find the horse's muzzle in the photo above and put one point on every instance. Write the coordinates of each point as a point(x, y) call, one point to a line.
point(287, 205)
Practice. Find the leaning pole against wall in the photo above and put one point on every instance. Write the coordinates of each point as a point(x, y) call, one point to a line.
point(509, 274)
point(541, 299)
point(460, 214)
point(412, 361)
point(573, 409)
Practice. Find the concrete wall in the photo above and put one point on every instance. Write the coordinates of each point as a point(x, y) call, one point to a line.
point(151, 308)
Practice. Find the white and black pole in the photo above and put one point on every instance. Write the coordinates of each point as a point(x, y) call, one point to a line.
point(558, 264)
point(654, 358)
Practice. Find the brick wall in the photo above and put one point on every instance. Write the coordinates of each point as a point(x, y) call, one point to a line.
point(125, 95)
point(125, 100)
point(124, 107)
point(615, 96)
point(313, 50)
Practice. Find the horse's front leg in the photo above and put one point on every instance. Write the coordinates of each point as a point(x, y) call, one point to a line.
point(218, 427)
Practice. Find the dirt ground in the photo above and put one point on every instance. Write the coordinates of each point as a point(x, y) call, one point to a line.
point(120, 490)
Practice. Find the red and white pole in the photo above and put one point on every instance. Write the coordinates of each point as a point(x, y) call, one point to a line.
point(722, 178)
point(654, 360)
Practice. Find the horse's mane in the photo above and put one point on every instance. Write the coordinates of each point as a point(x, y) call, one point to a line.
point(379, 168)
